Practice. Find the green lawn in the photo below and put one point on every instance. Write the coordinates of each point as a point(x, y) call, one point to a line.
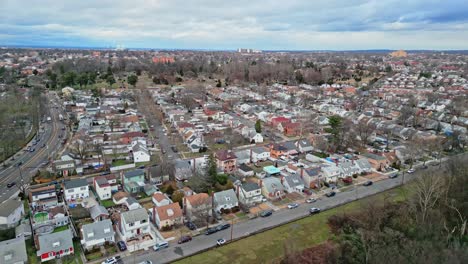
point(269, 245)
point(119, 163)
point(107, 203)
point(60, 228)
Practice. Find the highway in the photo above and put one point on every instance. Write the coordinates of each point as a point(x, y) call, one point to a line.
point(243, 229)
point(30, 162)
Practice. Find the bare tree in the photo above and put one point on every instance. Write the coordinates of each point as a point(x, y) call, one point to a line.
point(429, 189)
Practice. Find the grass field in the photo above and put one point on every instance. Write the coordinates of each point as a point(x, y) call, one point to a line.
point(304, 233)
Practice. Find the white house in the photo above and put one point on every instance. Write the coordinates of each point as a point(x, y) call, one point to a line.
point(97, 233)
point(225, 200)
point(250, 193)
point(293, 183)
point(102, 188)
point(260, 154)
point(135, 229)
point(75, 190)
point(332, 173)
point(55, 245)
point(159, 199)
point(11, 212)
point(140, 153)
point(256, 137)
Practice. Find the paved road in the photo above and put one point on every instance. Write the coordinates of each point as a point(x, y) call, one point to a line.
point(243, 229)
point(32, 161)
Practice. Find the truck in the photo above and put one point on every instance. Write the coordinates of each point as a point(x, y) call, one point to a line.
point(60, 117)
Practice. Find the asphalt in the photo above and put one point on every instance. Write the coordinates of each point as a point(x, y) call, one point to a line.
point(244, 229)
point(32, 161)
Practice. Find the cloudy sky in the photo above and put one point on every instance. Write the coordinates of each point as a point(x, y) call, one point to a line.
point(230, 24)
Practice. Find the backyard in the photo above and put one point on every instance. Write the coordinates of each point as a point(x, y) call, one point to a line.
point(269, 245)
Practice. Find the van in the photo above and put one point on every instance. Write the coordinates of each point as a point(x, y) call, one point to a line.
point(160, 245)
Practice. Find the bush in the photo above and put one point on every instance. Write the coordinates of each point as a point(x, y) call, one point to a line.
point(355, 176)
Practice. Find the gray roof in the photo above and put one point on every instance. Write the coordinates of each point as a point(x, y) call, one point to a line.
point(134, 173)
point(294, 180)
point(97, 230)
point(55, 242)
point(77, 183)
point(250, 186)
point(133, 216)
point(97, 210)
point(245, 168)
point(13, 251)
point(259, 150)
point(9, 207)
point(225, 197)
point(363, 164)
point(272, 184)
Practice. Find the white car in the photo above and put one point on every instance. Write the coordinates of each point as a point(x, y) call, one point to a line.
point(111, 260)
point(311, 200)
point(221, 241)
point(293, 205)
point(146, 262)
point(411, 171)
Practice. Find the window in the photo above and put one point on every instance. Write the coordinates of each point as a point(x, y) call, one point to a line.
point(143, 221)
point(131, 224)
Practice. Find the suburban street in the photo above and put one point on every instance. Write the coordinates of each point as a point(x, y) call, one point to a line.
point(32, 161)
point(243, 229)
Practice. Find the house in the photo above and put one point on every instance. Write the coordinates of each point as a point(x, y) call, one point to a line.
point(140, 153)
point(197, 205)
point(97, 233)
point(98, 213)
point(259, 154)
point(75, 190)
point(348, 168)
point(293, 183)
point(149, 189)
point(58, 215)
point(243, 156)
point(378, 162)
point(13, 251)
point(133, 181)
point(272, 188)
point(249, 193)
point(135, 229)
point(102, 188)
point(11, 212)
point(167, 215)
point(304, 146)
point(131, 203)
point(225, 200)
point(271, 170)
point(182, 170)
point(43, 197)
point(120, 197)
point(159, 199)
point(331, 173)
point(158, 175)
point(245, 171)
point(364, 165)
point(291, 129)
point(64, 167)
point(55, 245)
point(226, 160)
point(277, 150)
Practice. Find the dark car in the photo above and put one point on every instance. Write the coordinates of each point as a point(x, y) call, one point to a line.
point(211, 230)
point(184, 239)
point(222, 227)
point(266, 213)
point(11, 184)
point(191, 226)
point(121, 245)
point(368, 183)
point(330, 194)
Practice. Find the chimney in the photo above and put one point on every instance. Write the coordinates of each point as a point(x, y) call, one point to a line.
point(154, 214)
point(237, 191)
point(250, 155)
point(282, 179)
point(302, 173)
point(260, 183)
point(184, 205)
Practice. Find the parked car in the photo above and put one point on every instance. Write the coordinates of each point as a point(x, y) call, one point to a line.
point(211, 230)
point(393, 176)
point(221, 241)
point(411, 171)
point(111, 260)
point(146, 262)
point(293, 205)
point(121, 245)
point(330, 194)
point(311, 200)
point(264, 200)
point(222, 227)
point(184, 239)
point(368, 183)
point(424, 167)
point(314, 210)
point(191, 226)
point(266, 213)
point(160, 245)
point(11, 184)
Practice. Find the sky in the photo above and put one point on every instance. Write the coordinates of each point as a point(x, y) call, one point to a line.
point(232, 24)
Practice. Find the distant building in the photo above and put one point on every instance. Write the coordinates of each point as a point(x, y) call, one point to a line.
point(399, 53)
point(163, 59)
